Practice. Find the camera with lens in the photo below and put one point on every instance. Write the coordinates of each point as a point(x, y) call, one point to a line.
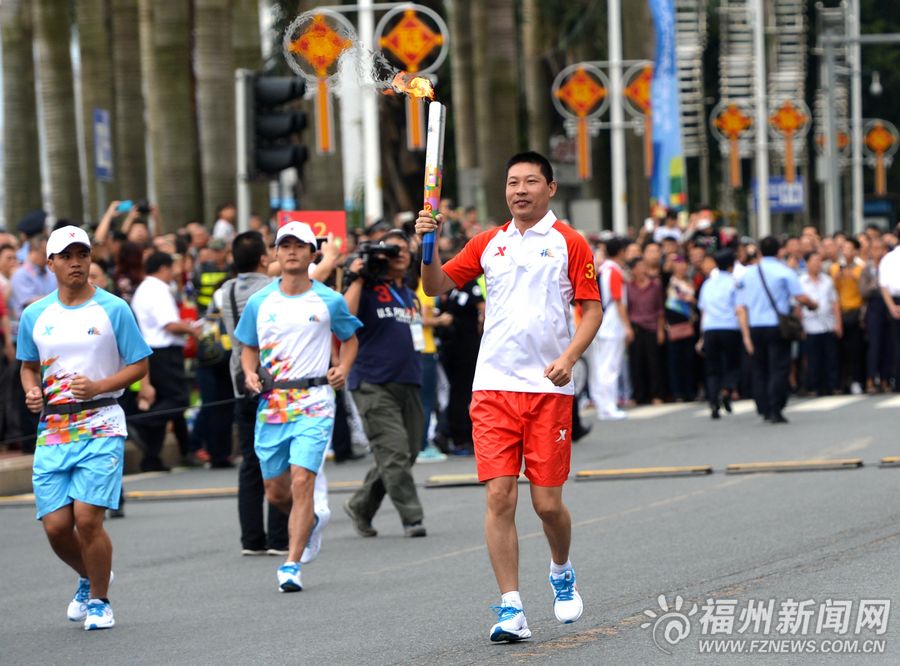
point(376, 261)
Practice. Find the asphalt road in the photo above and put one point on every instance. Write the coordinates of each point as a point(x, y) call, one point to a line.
point(183, 594)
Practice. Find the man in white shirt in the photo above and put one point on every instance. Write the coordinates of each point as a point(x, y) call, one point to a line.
point(607, 352)
point(166, 385)
point(823, 327)
point(889, 281)
point(224, 227)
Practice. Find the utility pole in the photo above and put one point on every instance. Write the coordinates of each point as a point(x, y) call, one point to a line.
point(617, 120)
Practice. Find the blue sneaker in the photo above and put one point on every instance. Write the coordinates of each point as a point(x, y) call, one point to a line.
point(567, 604)
point(77, 609)
point(511, 625)
point(99, 615)
point(289, 577)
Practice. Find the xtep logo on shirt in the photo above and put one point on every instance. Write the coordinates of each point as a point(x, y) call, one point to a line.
point(501, 252)
point(48, 330)
point(93, 330)
point(546, 252)
point(271, 319)
point(562, 435)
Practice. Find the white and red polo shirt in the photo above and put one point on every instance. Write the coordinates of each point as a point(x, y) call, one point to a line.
point(531, 281)
point(612, 289)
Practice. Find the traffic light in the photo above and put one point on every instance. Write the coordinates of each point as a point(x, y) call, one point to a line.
point(270, 128)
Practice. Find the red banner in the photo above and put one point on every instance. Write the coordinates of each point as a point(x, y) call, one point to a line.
point(322, 222)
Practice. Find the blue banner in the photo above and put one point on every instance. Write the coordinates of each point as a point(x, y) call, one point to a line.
point(667, 185)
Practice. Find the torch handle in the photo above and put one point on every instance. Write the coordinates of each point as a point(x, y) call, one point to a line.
point(434, 167)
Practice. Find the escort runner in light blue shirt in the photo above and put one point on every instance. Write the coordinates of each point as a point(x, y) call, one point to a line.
point(718, 303)
point(783, 285)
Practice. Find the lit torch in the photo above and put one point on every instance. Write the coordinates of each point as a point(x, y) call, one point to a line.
point(418, 86)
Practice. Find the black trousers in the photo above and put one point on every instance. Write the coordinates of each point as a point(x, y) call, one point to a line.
point(212, 430)
point(722, 349)
point(341, 443)
point(646, 367)
point(168, 378)
point(771, 370)
point(851, 345)
point(251, 491)
point(822, 372)
point(459, 364)
point(880, 353)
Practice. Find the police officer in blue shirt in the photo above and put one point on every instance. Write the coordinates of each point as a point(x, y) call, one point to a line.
point(721, 333)
point(759, 326)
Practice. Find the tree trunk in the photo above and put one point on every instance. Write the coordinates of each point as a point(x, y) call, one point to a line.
point(56, 87)
point(166, 62)
point(129, 129)
point(214, 67)
point(247, 47)
point(96, 88)
point(537, 86)
point(496, 98)
point(464, 125)
point(323, 180)
point(21, 147)
point(636, 45)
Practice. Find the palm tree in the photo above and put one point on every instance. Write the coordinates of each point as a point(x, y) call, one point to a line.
point(21, 148)
point(166, 61)
point(57, 91)
point(214, 70)
point(96, 84)
point(129, 130)
point(496, 97)
point(247, 47)
point(465, 129)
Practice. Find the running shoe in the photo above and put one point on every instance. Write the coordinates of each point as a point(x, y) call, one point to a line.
point(77, 609)
point(314, 545)
point(511, 625)
point(431, 454)
point(567, 605)
point(99, 615)
point(612, 415)
point(289, 577)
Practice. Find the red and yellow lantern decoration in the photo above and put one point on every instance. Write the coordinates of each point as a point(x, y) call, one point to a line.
point(579, 93)
point(881, 141)
point(410, 41)
point(732, 123)
point(638, 95)
point(313, 45)
point(790, 120)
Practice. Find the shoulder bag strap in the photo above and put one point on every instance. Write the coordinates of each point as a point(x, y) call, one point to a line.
point(234, 308)
point(762, 277)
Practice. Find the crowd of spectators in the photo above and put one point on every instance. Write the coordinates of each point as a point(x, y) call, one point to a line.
point(849, 345)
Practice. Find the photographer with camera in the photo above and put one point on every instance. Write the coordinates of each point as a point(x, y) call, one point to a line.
point(386, 380)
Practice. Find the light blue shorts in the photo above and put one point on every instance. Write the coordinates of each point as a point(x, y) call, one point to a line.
point(89, 470)
point(301, 442)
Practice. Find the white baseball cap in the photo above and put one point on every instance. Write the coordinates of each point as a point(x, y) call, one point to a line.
point(64, 237)
point(299, 230)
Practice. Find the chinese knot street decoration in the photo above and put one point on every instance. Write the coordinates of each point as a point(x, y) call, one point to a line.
point(881, 143)
point(733, 123)
point(637, 93)
point(410, 42)
point(313, 45)
point(790, 120)
point(579, 93)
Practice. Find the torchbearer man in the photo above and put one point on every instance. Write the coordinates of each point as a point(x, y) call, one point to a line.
point(80, 347)
point(534, 266)
point(286, 329)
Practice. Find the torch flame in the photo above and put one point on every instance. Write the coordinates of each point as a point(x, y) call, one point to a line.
point(408, 83)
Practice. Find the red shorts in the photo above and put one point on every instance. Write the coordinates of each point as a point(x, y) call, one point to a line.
point(508, 426)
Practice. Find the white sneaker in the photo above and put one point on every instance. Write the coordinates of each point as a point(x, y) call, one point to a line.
point(511, 626)
point(567, 604)
point(99, 615)
point(289, 577)
point(612, 415)
point(856, 388)
point(314, 545)
point(77, 609)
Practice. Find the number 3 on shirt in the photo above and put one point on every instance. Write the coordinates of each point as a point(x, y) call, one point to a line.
point(589, 273)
